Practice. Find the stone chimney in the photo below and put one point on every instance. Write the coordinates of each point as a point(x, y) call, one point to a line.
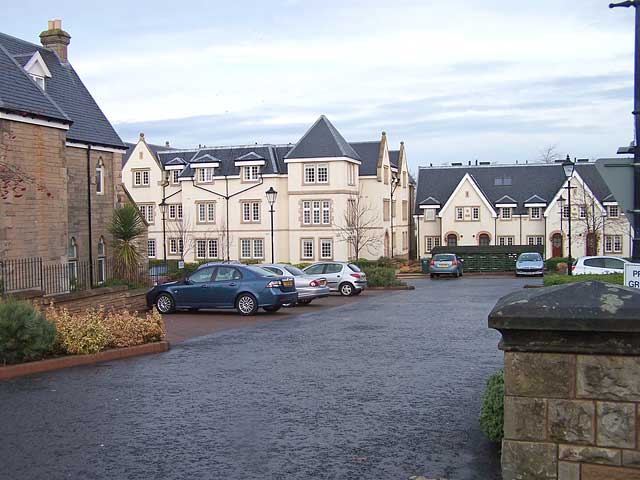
point(56, 39)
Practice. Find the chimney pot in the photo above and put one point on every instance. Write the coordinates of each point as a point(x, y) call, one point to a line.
point(166, 144)
point(56, 39)
point(141, 136)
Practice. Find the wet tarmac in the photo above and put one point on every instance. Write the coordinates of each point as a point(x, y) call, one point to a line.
point(384, 388)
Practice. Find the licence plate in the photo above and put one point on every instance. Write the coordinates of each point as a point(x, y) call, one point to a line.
point(442, 265)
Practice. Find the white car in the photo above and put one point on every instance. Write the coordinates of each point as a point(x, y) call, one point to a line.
point(598, 265)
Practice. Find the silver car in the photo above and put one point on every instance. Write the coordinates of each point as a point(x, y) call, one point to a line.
point(309, 287)
point(343, 277)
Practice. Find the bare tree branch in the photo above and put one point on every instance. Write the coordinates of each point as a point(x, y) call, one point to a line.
point(549, 154)
point(359, 228)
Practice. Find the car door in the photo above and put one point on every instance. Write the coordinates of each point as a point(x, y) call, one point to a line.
point(226, 285)
point(197, 290)
point(594, 265)
point(333, 274)
point(614, 265)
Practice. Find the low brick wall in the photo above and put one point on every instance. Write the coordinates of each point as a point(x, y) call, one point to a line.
point(572, 382)
point(118, 298)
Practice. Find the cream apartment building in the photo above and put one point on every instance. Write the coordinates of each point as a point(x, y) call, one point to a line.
point(519, 205)
point(215, 203)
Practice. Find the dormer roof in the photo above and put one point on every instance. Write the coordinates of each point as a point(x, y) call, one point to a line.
point(251, 156)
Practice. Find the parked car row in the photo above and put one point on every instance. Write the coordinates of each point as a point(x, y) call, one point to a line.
point(246, 288)
point(530, 264)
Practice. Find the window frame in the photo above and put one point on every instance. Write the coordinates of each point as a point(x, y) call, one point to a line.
point(141, 177)
point(151, 245)
point(307, 242)
point(611, 208)
point(100, 178)
point(533, 216)
point(322, 243)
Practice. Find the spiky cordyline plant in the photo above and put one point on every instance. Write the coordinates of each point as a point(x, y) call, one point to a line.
point(126, 227)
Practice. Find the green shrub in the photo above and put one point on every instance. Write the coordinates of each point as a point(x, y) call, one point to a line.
point(386, 262)
point(302, 265)
point(381, 276)
point(615, 278)
point(178, 274)
point(551, 264)
point(25, 334)
point(492, 411)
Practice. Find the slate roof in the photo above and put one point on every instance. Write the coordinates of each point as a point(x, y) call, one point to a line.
point(527, 181)
point(322, 140)
point(227, 156)
point(65, 97)
point(394, 157)
point(368, 153)
point(249, 157)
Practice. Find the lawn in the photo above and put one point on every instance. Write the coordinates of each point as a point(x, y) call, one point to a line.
point(556, 279)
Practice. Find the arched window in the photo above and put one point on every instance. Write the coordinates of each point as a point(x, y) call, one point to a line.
point(484, 240)
point(100, 177)
point(102, 271)
point(452, 240)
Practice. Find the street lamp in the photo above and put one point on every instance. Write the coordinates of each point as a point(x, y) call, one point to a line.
point(271, 198)
point(568, 166)
point(395, 181)
point(163, 209)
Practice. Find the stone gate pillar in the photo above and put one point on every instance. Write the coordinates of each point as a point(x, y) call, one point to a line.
point(572, 382)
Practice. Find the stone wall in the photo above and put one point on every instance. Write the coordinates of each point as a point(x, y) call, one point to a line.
point(118, 298)
point(572, 382)
point(33, 221)
point(571, 417)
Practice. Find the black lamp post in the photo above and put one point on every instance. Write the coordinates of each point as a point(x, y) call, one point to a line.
point(395, 181)
point(271, 198)
point(568, 166)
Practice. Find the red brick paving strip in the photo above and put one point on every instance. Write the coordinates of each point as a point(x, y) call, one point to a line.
point(13, 371)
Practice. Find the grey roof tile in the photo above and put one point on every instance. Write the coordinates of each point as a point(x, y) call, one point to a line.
point(369, 153)
point(527, 181)
point(322, 140)
point(64, 89)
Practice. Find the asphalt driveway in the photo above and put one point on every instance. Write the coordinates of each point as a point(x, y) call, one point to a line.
point(383, 388)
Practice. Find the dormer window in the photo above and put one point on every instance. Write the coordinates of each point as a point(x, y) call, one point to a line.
point(205, 175)
point(39, 80)
point(252, 173)
point(37, 70)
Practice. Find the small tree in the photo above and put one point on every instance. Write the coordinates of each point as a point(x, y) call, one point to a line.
point(181, 229)
point(221, 233)
point(126, 227)
point(360, 226)
point(590, 220)
point(549, 154)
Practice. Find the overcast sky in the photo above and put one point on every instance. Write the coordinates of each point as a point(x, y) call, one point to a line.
point(492, 80)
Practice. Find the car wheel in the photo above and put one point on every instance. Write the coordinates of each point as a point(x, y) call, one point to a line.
point(273, 309)
point(246, 304)
point(165, 303)
point(304, 302)
point(358, 292)
point(346, 289)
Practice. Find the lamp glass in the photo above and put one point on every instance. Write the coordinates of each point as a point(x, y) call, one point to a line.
point(271, 195)
point(568, 166)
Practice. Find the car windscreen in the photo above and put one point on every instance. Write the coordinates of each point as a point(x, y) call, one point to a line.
point(530, 257)
point(355, 268)
point(262, 272)
point(444, 257)
point(294, 271)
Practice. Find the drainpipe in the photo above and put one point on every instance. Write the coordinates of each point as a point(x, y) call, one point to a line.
point(520, 229)
point(89, 215)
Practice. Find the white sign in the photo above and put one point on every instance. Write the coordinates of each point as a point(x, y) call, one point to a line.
point(180, 264)
point(632, 275)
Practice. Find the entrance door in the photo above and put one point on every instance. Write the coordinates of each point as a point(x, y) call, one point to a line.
point(556, 245)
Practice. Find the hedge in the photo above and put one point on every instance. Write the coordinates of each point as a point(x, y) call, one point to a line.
point(551, 264)
point(555, 279)
point(492, 410)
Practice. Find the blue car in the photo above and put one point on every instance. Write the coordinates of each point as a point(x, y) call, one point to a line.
point(530, 264)
point(221, 285)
